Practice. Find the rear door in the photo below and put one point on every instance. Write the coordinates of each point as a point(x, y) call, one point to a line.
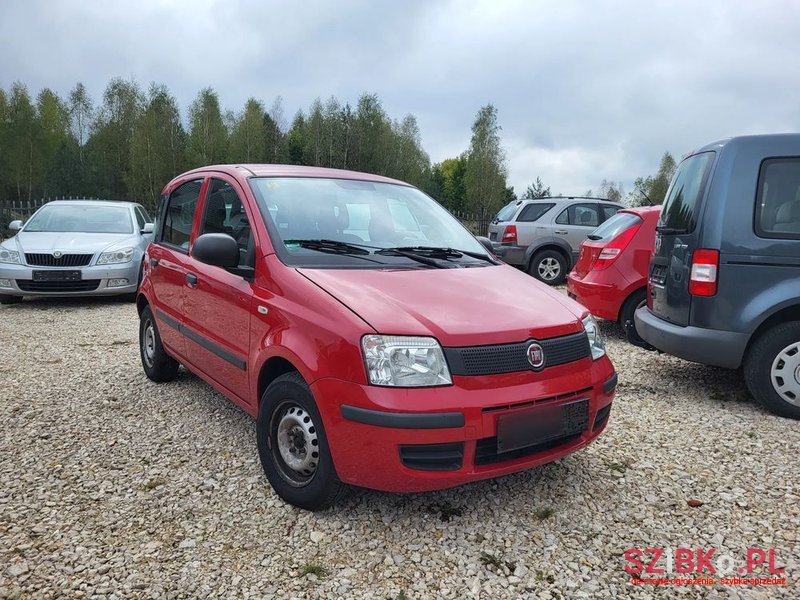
point(168, 255)
point(577, 221)
point(677, 236)
point(529, 227)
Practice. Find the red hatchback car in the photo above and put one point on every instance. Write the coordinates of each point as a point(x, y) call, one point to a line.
point(610, 275)
point(317, 300)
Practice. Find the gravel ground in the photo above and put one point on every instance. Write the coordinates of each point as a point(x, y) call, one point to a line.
point(116, 487)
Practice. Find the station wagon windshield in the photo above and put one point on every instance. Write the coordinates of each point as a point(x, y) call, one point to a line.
point(354, 223)
point(81, 219)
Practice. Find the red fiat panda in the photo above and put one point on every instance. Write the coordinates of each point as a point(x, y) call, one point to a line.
point(317, 300)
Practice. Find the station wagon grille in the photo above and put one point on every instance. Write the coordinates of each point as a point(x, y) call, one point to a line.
point(511, 358)
point(86, 285)
point(65, 260)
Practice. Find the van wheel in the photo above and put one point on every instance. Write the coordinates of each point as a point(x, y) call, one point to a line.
point(158, 365)
point(293, 447)
point(772, 369)
point(549, 266)
point(7, 299)
point(626, 320)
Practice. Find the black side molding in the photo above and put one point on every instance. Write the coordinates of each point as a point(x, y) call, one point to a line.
point(610, 384)
point(380, 418)
point(202, 341)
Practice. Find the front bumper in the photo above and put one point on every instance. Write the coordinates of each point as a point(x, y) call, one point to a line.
point(697, 344)
point(94, 280)
point(411, 440)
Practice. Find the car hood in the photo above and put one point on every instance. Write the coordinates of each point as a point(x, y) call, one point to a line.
point(70, 242)
point(459, 307)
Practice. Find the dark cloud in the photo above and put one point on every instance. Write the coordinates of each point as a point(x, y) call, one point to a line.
point(585, 90)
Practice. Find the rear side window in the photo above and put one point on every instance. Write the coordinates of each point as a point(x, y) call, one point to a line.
point(609, 211)
point(615, 225)
point(683, 196)
point(583, 215)
point(533, 211)
point(778, 199)
point(179, 214)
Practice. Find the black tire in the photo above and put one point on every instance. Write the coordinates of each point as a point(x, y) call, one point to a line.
point(158, 365)
point(758, 369)
point(548, 266)
point(312, 487)
point(6, 299)
point(626, 320)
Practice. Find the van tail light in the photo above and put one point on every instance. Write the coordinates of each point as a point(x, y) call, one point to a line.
point(613, 249)
point(510, 234)
point(705, 269)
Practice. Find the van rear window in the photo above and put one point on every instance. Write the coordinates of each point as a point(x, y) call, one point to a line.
point(682, 201)
point(778, 203)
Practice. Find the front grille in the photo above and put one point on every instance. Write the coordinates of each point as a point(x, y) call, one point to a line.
point(65, 260)
point(486, 449)
point(433, 457)
point(658, 274)
point(87, 285)
point(526, 403)
point(602, 416)
point(510, 358)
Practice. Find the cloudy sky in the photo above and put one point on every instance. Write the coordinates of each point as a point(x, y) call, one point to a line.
point(586, 90)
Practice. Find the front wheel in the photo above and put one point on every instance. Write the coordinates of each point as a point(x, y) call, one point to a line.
point(293, 447)
point(772, 369)
point(549, 266)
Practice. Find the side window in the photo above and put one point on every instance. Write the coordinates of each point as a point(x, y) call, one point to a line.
point(778, 199)
point(563, 218)
point(145, 215)
point(532, 212)
point(609, 211)
point(139, 217)
point(224, 213)
point(584, 215)
point(179, 215)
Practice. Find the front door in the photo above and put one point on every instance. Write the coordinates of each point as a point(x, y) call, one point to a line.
point(576, 222)
point(217, 302)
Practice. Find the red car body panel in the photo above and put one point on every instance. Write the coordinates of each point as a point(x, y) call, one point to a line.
point(314, 320)
point(604, 291)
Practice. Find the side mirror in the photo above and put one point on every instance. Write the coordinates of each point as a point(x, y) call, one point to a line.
point(218, 249)
point(15, 225)
point(148, 228)
point(487, 243)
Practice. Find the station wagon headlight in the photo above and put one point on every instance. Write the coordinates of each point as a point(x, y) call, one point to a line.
point(596, 342)
point(122, 255)
point(404, 361)
point(9, 256)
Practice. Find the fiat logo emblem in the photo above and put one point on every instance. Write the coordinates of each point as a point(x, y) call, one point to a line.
point(57, 254)
point(536, 356)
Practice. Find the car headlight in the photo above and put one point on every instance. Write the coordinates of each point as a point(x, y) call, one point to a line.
point(122, 255)
point(404, 361)
point(9, 256)
point(596, 342)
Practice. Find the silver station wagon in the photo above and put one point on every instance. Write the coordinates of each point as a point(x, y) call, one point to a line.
point(75, 248)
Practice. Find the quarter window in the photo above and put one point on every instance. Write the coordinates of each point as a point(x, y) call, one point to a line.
point(609, 211)
point(179, 214)
point(778, 198)
point(532, 212)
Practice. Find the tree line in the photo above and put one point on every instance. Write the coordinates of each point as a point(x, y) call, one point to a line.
point(127, 146)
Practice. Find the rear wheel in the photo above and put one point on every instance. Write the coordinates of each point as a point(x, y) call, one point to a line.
point(548, 266)
point(772, 369)
point(630, 306)
point(293, 447)
point(6, 299)
point(158, 365)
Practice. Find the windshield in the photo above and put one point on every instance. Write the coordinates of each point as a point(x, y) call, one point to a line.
point(81, 218)
point(683, 196)
point(614, 226)
point(506, 212)
point(365, 214)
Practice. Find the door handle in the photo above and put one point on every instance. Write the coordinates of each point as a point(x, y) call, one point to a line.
point(561, 231)
point(153, 262)
point(191, 279)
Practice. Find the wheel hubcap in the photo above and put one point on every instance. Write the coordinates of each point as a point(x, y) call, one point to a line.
point(297, 444)
point(549, 268)
point(785, 374)
point(149, 344)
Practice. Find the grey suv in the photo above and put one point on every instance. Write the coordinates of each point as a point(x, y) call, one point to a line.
point(543, 236)
point(724, 281)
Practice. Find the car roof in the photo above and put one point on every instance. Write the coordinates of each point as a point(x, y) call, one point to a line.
point(269, 170)
point(551, 199)
point(84, 201)
point(745, 140)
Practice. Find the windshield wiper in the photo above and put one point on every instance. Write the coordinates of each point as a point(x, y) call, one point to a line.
point(425, 260)
point(437, 252)
point(670, 230)
point(331, 246)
